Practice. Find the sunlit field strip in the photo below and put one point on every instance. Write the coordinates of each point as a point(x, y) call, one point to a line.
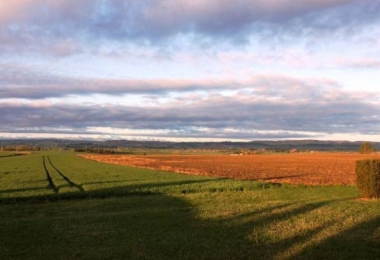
point(68, 173)
point(93, 175)
point(23, 176)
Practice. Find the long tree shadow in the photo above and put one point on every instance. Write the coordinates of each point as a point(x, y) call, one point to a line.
point(12, 155)
point(362, 241)
point(21, 190)
point(141, 221)
point(118, 191)
point(144, 227)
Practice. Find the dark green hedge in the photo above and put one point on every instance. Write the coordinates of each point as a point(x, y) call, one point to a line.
point(368, 178)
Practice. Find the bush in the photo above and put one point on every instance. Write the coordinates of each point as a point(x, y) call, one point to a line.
point(367, 147)
point(368, 178)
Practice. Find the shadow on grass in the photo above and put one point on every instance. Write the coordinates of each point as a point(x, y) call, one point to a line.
point(120, 191)
point(361, 241)
point(22, 190)
point(12, 155)
point(129, 225)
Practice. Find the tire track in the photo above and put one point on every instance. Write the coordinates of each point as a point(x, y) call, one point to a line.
point(49, 179)
point(72, 184)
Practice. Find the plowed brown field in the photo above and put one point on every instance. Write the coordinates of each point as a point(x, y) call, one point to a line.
point(301, 168)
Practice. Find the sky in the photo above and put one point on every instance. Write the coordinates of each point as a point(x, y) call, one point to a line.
point(199, 70)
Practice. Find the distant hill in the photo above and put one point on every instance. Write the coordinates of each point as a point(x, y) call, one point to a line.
point(271, 145)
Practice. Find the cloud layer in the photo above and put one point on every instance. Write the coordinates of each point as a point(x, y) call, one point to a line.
point(66, 27)
point(266, 109)
point(190, 69)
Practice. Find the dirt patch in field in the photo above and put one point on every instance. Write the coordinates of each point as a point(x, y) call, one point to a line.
point(309, 169)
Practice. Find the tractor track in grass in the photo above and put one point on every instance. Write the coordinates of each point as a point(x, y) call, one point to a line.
point(48, 176)
point(72, 184)
point(52, 185)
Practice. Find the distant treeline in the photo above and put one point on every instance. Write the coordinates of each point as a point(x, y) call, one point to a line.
point(184, 151)
point(19, 148)
point(95, 150)
point(113, 146)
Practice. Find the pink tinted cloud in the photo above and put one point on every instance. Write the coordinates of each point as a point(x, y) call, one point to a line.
point(165, 17)
point(363, 63)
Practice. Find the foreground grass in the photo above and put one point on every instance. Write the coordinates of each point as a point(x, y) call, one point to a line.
point(113, 212)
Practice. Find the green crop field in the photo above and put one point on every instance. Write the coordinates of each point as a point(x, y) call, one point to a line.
point(60, 206)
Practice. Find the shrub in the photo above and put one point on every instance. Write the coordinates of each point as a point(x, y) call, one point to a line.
point(367, 147)
point(368, 178)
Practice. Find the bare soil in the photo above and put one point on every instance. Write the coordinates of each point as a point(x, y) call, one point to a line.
point(299, 168)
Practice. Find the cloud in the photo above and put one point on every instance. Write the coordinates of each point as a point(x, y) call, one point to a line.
point(30, 84)
point(64, 27)
point(365, 63)
point(21, 82)
point(226, 17)
point(241, 115)
point(192, 95)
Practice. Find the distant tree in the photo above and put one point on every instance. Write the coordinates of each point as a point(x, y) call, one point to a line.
point(367, 147)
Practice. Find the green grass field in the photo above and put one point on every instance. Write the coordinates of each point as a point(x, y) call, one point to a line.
point(60, 206)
